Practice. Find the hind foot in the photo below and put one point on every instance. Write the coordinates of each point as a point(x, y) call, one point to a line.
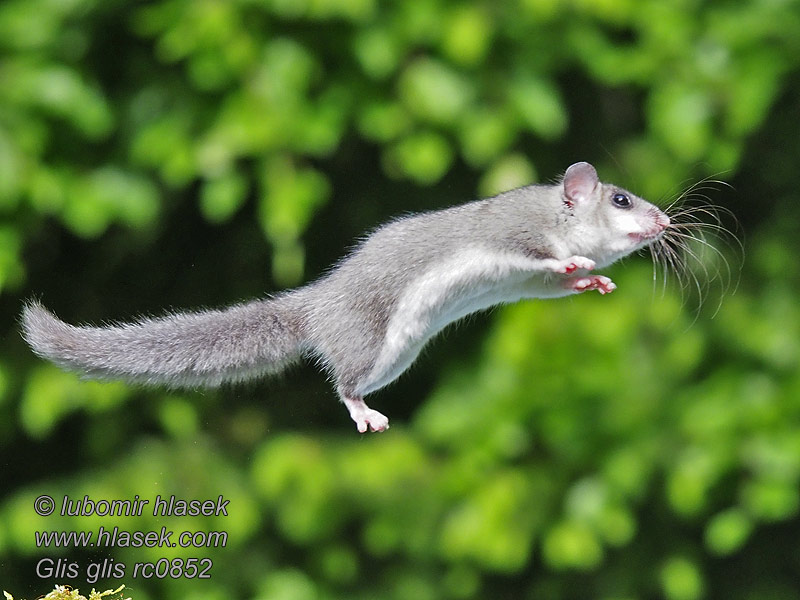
point(364, 417)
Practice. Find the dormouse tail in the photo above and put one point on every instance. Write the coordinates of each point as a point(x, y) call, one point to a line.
point(184, 350)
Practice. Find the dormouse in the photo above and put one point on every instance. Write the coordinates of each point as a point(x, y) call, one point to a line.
point(367, 319)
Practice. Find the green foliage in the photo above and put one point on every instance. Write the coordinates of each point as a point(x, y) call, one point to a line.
point(217, 91)
point(627, 446)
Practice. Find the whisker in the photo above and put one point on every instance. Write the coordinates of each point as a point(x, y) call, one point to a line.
point(697, 248)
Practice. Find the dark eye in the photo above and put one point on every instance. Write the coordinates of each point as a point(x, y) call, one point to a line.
point(622, 200)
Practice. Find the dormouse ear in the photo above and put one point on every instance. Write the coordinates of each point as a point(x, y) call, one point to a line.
point(580, 180)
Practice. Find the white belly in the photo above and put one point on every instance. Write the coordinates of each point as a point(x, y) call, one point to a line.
point(470, 281)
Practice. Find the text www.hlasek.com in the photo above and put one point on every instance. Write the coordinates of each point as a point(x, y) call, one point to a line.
point(114, 537)
point(131, 539)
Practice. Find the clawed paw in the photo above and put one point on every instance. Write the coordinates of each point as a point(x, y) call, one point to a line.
point(602, 284)
point(372, 420)
point(365, 418)
point(574, 263)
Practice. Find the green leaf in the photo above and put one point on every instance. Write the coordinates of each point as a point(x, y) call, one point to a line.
point(539, 105)
point(60, 91)
point(11, 167)
point(178, 417)
point(681, 579)
point(485, 134)
point(290, 196)
point(11, 266)
point(287, 584)
point(680, 114)
point(467, 34)
point(220, 198)
point(771, 500)
point(492, 526)
point(377, 51)
point(435, 92)
point(728, 531)
point(423, 156)
point(383, 120)
point(50, 394)
point(753, 89)
point(165, 144)
point(572, 545)
point(109, 194)
point(510, 172)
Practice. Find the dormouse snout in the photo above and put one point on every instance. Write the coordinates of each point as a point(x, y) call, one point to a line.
point(651, 225)
point(660, 224)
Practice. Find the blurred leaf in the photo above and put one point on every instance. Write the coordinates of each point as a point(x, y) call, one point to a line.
point(681, 579)
point(60, 91)
point(572, 545)
point(541, 10)
point(728, 531)
point(539, 105)
point(11, 269)
point(681, 115)
point(321, 126)
point(287, 585)
point(339, 564)
point(178, 417)
point(289, 473)
point(434, 92)
point(508, 173)
point(413, 586)
point(461, 582)
point(420, 21)
point(288, 200)
point(690, 481)
point(223, 196)
point(10, 167)
point(424, 157)
point(377, 51)
point(468, 34)
point(485, 134)
point(753, 90)
point(50, 394)
point(165, 144)
point(109, 194)
point(771, 500)
point(383, 121)
point(492, 527)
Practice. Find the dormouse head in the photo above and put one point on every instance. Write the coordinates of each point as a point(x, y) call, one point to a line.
point(611, 222)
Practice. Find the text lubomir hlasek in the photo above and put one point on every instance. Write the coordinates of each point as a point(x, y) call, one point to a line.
point(162, 507)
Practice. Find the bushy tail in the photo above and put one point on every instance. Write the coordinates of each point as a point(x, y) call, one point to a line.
point(186, 349)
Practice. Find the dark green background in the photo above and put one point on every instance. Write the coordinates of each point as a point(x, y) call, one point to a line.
point(187, 153)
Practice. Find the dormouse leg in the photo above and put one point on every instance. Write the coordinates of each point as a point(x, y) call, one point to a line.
point(364, 416)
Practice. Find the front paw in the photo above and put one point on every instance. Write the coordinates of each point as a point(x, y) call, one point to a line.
point(602, 284)
point(574, 263)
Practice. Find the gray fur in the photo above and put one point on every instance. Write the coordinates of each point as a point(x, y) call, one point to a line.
point(344, 319)
point(179, 350)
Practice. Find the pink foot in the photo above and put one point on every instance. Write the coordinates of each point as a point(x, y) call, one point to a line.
point(364, 417)
point(574, 263)
point(602, 284)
